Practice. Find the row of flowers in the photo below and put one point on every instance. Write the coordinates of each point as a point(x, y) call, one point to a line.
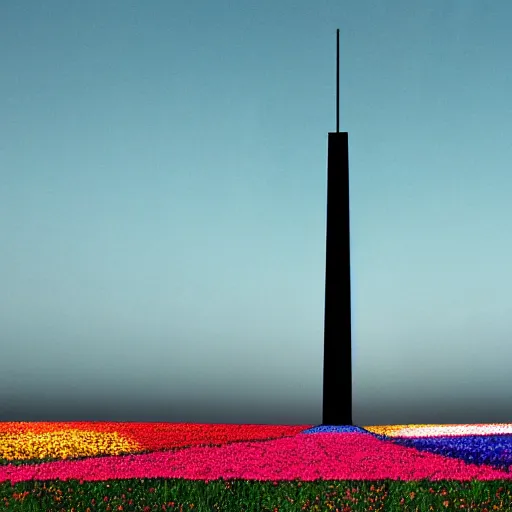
point(489, 444)
point(41, 440)
point(338, 456)
point(473, 429)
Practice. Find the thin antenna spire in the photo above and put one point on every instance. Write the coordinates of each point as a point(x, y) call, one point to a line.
point(337, 80)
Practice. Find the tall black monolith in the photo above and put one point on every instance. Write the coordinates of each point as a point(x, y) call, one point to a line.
point(337, 378)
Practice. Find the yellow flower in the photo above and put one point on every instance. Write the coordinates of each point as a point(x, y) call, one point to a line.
point(63, 444)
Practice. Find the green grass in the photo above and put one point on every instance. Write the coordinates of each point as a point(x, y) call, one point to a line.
point(147, 495)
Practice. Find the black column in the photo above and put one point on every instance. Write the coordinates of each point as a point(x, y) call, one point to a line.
point(337, 390)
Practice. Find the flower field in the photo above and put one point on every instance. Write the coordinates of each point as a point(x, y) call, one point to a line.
point(164, 466)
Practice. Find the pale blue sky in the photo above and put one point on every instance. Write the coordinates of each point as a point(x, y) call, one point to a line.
point(163, 197)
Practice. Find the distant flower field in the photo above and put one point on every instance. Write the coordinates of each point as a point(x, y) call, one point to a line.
point(378, 460)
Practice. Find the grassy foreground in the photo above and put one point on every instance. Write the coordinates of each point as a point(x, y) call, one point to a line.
point(248, 496)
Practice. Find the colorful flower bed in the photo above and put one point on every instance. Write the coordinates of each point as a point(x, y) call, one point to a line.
point(96, 466)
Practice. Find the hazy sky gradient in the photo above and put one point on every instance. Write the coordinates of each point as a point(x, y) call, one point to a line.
point(163, 201)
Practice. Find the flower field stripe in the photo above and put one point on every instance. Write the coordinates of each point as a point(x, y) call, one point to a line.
point(321, 456)
point(133, 437)
point(63, 444)
point(495, 451)
point(177, 435)
point(325, 429)
point(450, 430)
point(392, 430)
point(484, 444)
